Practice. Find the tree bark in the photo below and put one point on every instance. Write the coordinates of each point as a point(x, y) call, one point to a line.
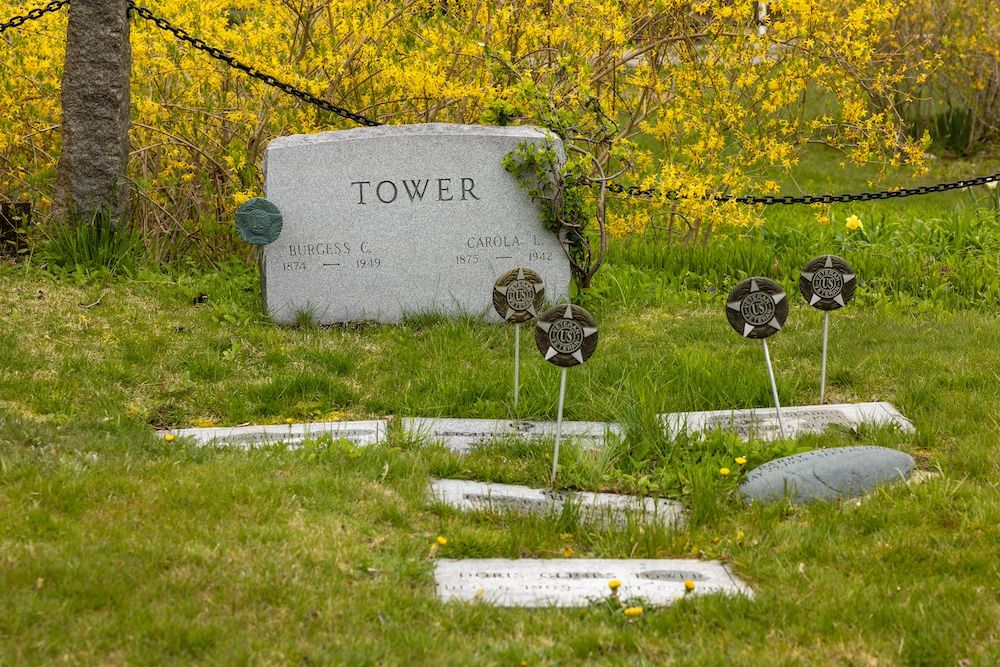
point(90, 179)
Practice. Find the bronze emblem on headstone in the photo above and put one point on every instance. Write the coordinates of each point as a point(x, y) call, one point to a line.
point(757, 308)
point(566, 335)
point(827, 282)
point(518, 295)
point(258, 221)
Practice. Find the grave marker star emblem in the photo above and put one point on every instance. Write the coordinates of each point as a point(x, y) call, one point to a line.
point(827, 282)
point(566, 335)
point(518, 294)
point(757, 308)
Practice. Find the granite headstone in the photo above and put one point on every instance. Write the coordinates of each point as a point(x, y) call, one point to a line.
point(383, 222)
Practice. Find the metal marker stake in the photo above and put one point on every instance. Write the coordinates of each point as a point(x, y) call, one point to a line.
point(562, 398)
point(517, 361)
point(774, 387)
point(822, 374)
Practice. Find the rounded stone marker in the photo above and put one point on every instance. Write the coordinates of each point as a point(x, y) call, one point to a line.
point(566, 335)
point(518, 295)
point(827, 282)
point(757, 308)
point(838, 473)
point(258, 221)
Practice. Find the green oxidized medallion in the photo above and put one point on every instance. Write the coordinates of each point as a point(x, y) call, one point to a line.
point(258, 221)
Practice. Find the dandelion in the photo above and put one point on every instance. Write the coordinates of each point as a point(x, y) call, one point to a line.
point(568, 552)
point(688, 585)
point(614, 584)
point(741, 460)
point(724, 472)
point(632, 612)
point(289, 421)
point(740, 535)
point(442, 540)
point(169, 437)
point(853, 223)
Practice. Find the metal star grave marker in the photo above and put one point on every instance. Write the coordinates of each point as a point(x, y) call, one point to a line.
point(566, 336)
point(518, 295)
point(827, 283)
point(757, 308)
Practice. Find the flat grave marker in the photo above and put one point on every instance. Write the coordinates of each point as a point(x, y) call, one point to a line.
point(837, 473)
point(382, 222)
point(610, 508)
point(579, 582)
point(461, 435)
point(247, 437)
point(762, 422)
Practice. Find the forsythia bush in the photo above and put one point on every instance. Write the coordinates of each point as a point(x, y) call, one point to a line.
point(696, 97)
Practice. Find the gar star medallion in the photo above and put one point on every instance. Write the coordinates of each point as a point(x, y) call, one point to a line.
point(258, 221)
point(566, 335)
point(827, 282)
point(518, 295)
point(757, 308)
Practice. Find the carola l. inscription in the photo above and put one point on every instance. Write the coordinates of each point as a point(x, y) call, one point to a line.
point(383, 222)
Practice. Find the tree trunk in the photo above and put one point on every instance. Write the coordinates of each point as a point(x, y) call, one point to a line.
point(90, 179)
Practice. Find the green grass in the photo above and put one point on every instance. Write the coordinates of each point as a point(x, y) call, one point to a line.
point(116, 548)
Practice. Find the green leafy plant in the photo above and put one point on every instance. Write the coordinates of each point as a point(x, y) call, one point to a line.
point(548, 180)
point(98, 244)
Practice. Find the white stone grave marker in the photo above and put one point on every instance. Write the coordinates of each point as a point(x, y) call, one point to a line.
point(762, 422)
point(579, 582)
point(461, 435)
point(593, 507)
point(247, 437)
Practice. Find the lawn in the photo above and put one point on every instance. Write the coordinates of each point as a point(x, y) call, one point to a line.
point(116, 547)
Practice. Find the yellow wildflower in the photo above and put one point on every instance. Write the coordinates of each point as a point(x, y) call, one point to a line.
point(169, 437)
point(289, 421)
point(614, 584)
point(688, 585)
point(442, 540)
point(724, 472)
point(632, 612)
point(568, 552)
point(854, 223)
point(741, 460)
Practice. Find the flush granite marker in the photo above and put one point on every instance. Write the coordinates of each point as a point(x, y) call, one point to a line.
point(387, 221)
point(606, 508)
point(247, 437)
point(762, 423)
point(579, 582)
point(461, 435)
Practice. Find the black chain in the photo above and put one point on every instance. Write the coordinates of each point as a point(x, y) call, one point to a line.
point(33, 15)
point(222, 56)
point(769, 200)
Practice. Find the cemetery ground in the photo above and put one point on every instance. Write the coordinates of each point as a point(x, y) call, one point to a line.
point(116, 547)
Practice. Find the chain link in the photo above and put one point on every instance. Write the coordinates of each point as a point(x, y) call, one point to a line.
point(224, 57)
point(770, 200)
point(33, 15)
